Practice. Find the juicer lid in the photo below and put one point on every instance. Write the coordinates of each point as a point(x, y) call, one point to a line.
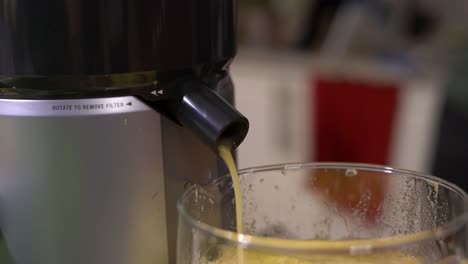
point(95, 37)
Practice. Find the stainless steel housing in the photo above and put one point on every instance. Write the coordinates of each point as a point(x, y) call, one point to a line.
point(94, 185)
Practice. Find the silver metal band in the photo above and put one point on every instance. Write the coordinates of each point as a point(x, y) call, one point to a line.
point(76, 107)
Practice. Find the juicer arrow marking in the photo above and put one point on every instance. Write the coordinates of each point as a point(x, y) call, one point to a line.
point(157, 93)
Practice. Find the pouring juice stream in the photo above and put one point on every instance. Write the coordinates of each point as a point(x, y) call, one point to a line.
point(226, 155)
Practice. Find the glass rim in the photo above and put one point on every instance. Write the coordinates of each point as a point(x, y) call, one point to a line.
point(357, 246)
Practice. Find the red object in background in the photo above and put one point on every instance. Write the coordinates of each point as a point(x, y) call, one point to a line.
point(353, 123)
point(354, 120)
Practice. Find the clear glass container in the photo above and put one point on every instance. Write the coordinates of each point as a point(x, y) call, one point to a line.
point(325, 213)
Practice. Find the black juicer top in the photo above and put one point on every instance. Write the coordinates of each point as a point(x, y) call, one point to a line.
point(170, 53)
point(95, 37)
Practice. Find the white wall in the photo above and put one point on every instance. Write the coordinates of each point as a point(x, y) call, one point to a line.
point(280, 129)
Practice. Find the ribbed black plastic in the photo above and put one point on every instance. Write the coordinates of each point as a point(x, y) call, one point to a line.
point(93, 37)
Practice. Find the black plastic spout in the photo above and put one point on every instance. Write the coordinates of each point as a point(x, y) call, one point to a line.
point(211, 117)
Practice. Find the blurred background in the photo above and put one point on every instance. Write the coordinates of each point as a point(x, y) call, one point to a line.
point(376, 81)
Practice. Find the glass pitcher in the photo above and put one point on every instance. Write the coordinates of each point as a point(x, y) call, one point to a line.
point(325, 213)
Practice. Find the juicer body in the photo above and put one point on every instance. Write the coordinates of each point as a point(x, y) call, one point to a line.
point(96, 185)
point(108, 108)
point(72, 182)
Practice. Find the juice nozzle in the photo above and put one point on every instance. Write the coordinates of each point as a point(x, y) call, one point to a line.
point(209, 116)
point(194, 104)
